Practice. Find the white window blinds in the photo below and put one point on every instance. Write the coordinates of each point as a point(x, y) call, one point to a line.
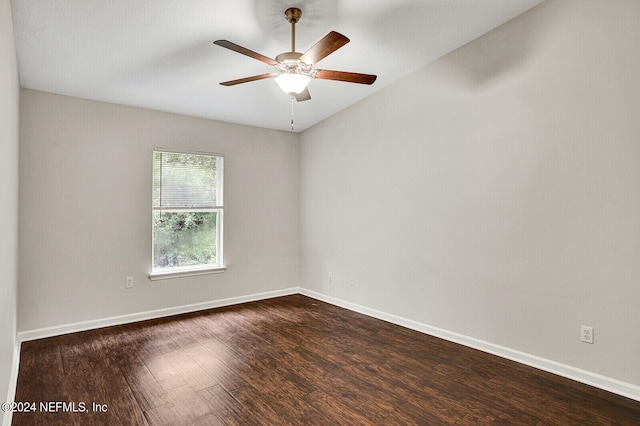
point(186, 181)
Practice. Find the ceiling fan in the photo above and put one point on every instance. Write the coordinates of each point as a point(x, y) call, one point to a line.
point(294, 70)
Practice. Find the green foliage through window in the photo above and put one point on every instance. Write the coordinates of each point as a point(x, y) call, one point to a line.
point(184, 239)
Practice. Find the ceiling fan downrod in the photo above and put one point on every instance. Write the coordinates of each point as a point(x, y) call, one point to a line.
point(293, 15)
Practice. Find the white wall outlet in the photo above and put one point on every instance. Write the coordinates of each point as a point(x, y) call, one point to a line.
point(330, 276)
point(352, 281)
point(128, 282)
point(586, 334)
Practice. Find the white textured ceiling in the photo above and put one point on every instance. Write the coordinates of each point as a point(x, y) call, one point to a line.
point(159, 54)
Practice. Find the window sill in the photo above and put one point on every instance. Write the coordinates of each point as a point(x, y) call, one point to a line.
point(178, 273)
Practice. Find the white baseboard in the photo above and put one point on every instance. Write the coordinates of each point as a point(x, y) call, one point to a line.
point(40, 333)
point(13, 381)
point(602, 382)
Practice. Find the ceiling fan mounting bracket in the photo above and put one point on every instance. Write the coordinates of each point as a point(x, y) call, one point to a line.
point(293, 15)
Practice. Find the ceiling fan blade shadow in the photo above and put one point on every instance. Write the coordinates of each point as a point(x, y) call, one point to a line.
point(323, 48)
point(243, 50)
point(303, 96)
point(349, 77)
point(248, 79)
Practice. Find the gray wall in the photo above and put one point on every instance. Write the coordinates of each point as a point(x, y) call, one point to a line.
point(494, 193)
point(85, 209)
point(9, 96)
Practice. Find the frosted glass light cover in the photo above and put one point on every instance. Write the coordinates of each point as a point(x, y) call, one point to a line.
point(292, 83)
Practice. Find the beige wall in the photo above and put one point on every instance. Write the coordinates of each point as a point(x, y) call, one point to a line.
point(85, 210)
point(495, 192)
point(9, 195)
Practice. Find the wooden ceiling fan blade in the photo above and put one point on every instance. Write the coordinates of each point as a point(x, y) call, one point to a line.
point(349, 77)
point(323, 48)
point(248, 79)
point(303, 96)
point(243, 50)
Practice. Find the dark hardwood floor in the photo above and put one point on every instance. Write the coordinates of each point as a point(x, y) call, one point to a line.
point(294, 361)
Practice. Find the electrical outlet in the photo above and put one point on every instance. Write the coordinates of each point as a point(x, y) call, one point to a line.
point(128, 282)
point(330, 276)
point(586, 334)
point(352, 281)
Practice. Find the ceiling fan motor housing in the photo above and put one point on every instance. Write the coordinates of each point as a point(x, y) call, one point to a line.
point(288, 57)
point(289, 63)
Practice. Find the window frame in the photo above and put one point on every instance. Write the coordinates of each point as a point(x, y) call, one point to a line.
point(193, 270)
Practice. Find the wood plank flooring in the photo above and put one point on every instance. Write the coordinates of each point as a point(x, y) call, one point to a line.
point(292, 361)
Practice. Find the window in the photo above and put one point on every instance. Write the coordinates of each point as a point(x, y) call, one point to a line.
point(187, 214)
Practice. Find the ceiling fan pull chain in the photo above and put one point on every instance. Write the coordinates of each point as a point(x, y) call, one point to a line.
point(292, 99)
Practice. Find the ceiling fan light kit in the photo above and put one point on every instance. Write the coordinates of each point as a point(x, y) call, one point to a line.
point(292, 83)
point(294, 70)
